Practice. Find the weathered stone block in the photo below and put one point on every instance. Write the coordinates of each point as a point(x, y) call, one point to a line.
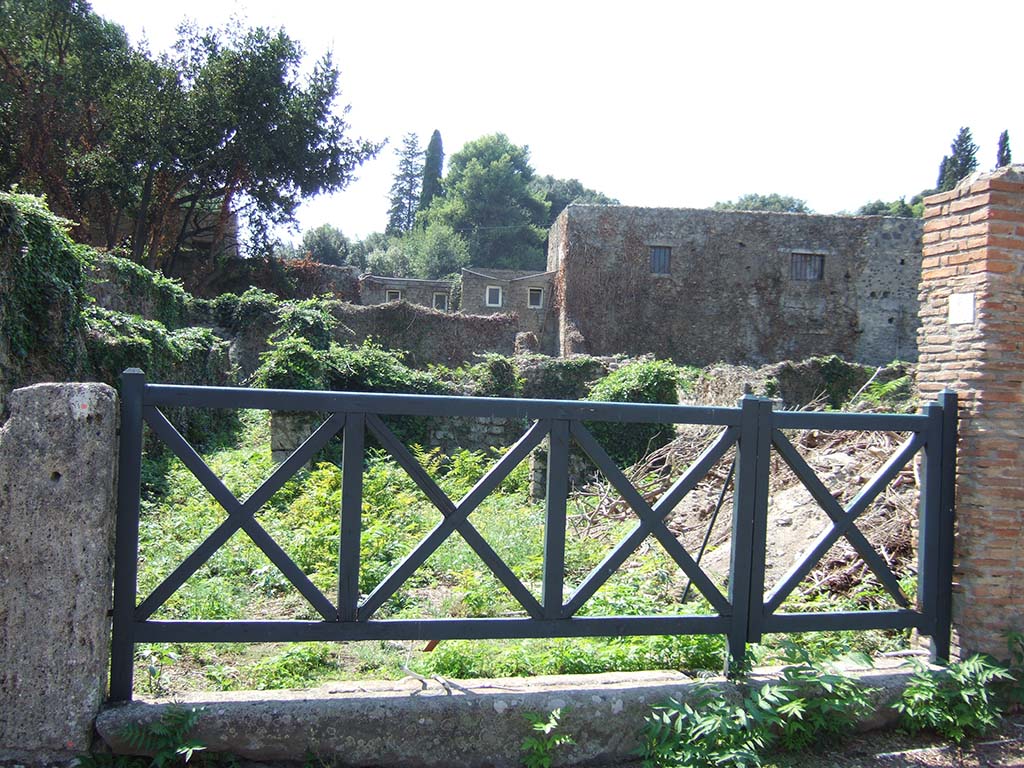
point(58, 454)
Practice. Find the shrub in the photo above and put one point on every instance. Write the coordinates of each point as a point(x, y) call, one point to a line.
point(646, 381)
point(956, 702)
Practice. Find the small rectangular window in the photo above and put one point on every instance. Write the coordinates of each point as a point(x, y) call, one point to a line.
point(807, 266)
point(392, 294)
point(661, 257)
point(535, 299)
point(441, 301)
point(493, 296)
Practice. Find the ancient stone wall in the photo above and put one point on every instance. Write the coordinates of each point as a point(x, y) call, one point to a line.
point(972, 340)
point(735, 286)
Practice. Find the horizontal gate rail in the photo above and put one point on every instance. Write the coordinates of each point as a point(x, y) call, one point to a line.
point(754, 431)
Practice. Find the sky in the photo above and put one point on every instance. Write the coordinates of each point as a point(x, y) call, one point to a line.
point(656, 103)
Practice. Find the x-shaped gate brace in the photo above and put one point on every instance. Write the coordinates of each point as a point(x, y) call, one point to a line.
point(754, 430)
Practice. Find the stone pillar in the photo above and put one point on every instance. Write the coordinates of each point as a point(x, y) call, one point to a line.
point(972, 340)
point(58, 459)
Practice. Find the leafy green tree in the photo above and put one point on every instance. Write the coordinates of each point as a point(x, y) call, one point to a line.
point(882, 208)
point(359, 251)
point(405, 190)
point(433, 167)
point(1003, 156)
point(772, 202)
point(562, 192)
point(487, 199)
point(391, 260)
point(165, 151)
point(960, 163)
point(325, 244)
point(435, 252)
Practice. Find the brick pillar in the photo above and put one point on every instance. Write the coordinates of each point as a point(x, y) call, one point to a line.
point(972, 340)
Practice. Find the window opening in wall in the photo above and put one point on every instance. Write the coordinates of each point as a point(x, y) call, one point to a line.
point(441, 301)
point(493, 296)
point(807, 266)
point(392, 294)
point(535, 298)
point(661, 257)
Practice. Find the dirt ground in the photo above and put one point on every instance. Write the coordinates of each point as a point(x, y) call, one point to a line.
point(1003, 748)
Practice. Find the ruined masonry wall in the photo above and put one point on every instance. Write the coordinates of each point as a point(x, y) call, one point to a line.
point(729, 295)
point(972, 340)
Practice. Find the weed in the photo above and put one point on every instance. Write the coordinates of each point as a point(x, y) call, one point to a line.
point(540, 745)
point(956, 702)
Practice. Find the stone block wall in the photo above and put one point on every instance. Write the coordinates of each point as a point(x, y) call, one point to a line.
point(972, 340)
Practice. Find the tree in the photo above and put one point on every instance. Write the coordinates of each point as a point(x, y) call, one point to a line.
point(359, 252)
point(1003, 156)
point(487, 200)
point(325, 244)
point(772, 202)
point(436, 252)
point(563, 192)
point(960, 163)
point(405, 190)
point(433, 165)
point(882, 208)
point(165, 151)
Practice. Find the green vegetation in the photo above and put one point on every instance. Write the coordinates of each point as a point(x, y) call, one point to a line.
point(168, 739)
point(772, 202)
point(810, 704)
point(405, 189)
point(960, 163)
point(957, 702)
point(540, 745)
point(1003, 155)
point(645, 381)
point(42, 284)
point(487, 200)
point(166, 148)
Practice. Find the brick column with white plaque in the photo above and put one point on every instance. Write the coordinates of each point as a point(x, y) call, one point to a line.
point(972, 340)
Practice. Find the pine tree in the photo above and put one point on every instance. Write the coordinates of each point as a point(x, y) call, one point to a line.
point(961, 163)
point(433, 164)
point(405, 190)
point(1003, 156)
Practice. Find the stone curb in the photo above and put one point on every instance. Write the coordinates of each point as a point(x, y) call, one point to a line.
point(468, 724)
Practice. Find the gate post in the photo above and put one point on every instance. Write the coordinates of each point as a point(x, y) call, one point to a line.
point(746, 564)
point(972, 323)
point(126, 548)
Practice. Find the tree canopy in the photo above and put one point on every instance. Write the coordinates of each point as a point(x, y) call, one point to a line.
point(560, 193)
point(163, 151)
point(433, 168)
point(488, 201)
point(1003, 155)
point(771, 202)
point(405, 189)
point(960, 163)
point(325, 244)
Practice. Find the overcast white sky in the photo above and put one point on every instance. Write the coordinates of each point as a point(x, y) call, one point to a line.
point(675, 104)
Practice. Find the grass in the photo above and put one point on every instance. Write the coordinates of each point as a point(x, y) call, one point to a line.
point(303, 517)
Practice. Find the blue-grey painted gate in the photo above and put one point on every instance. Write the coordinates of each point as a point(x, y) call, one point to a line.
point(742, 615)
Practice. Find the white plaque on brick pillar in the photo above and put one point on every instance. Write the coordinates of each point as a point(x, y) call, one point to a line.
point(961, 309)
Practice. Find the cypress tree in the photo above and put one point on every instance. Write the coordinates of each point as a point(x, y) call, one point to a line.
point(1003, 156)
point(433, 162)
point(961, 163)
